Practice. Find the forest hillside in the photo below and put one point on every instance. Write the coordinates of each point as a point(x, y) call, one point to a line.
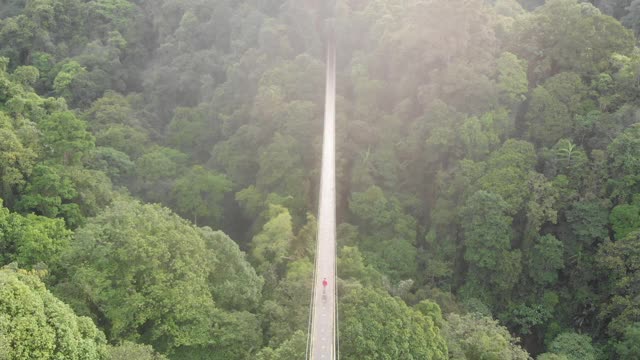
point(159, 169)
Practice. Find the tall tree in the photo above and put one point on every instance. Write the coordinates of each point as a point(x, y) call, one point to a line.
point(36, 325)
point(475, 337)
point(378, 326)
point(159, 259)
point(199, 193)
point(494, 267)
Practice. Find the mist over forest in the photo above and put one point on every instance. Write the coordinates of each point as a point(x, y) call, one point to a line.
point(160, 165)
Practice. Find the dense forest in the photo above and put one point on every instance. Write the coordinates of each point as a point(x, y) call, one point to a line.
point(159, 165)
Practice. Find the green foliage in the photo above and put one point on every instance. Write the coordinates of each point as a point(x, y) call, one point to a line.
point(569, 159)
point(550, 356)
point(559, 30)
point(629, 347)
point(192, 131)
point(288, 311)
point(36, 325)
point(619, 262)
point(128, 350)
point(573, 346)
point(37, 240)
point(487, 236)
point(238, 287)
point(512, 77)
point(624, 152)
point(293, 348)
point(507, 172)
point(588, 220)
point(280, 170)
point(271, 245)
point(389, 233)
point(396, 258)
point(549, 119)
point(16, 159)
point(128, 139)
point(352, 265)
point(31, 240)
point(111, 109)
point(540, 206)
point(63, 81)
point(485, 156)
point(625, 219)
point(110, 12)
point(431, 309)
point(631, 19)
point(482, 135)
point(65, 137)
point(528, 318)
point(48, 192)
point(377, 326)
point(199, 194)
point(304, 243)
point(155, 172)
point(140, 261)
point(116, 164)
point(545, 260)
point(372, 207)
point(476, 337)
point(236, 158)
point(26, 75)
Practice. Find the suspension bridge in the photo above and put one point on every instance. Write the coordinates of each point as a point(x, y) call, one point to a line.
point(322, 342)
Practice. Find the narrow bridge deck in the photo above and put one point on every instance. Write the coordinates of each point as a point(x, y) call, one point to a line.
point(323, 326)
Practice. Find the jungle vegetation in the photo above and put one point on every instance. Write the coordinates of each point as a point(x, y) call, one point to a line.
point(159, 166)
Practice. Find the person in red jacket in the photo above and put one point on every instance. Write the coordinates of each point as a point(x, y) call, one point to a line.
point(324, 285)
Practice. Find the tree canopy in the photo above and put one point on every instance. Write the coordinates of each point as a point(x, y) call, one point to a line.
point(159, 167)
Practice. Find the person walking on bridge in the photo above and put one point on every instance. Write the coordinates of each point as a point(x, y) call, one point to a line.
point(324, 285)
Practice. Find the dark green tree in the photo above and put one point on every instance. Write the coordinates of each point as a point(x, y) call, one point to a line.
point(476, 337)
point(138, 291)
point(34, 324)
point(377, 326)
